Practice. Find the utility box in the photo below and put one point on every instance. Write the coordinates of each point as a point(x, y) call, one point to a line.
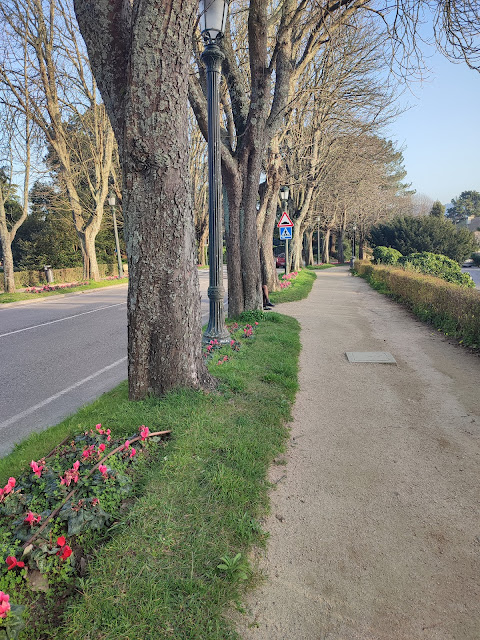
point(48, 273)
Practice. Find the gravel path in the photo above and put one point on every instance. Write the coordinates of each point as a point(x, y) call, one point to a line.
point(374, 529)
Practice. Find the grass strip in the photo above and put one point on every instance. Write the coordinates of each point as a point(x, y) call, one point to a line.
point(21, 295)
point(298, 290)
point(172, 565)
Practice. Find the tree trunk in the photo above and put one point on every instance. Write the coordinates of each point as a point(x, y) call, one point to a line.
point(8, 272)
point(326, 246)
point(340, 254)
point(201, 247)
point(309, 239)
point(141, 65)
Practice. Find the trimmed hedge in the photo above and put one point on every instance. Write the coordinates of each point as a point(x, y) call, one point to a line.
point(25, 279)
point(453, 309)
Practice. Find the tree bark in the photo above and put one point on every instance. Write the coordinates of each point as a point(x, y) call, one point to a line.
point(326, 247)
point(140, 62)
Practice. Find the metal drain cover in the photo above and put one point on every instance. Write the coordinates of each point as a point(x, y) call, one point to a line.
point(382, 357)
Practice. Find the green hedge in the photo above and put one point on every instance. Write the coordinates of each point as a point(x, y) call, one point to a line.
point(453, 309)
point(72, 274)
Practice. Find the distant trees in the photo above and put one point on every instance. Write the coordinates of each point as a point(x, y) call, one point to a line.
point(437, 210)
point(410, 234)
point(467, 204)
point(45, 73)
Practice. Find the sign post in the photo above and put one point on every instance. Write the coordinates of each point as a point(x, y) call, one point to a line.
point(285, 225)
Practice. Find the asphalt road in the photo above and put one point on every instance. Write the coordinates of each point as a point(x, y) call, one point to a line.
point(474, 272)
point(60, 353)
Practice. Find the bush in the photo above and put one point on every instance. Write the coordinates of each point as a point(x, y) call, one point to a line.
point(435, 264)
point(452, 309)
point(386, 255)
point(410, 234)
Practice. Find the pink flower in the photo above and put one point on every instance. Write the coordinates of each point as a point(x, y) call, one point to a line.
point(76, 465)
point(144, 431)
point(4, 604)
point(256, 323)
point(103, 470)
point(13, 562)
point(133, 452)
point(66, 552)
point(11, 482)
point(61, 541)
point(98, 427)
point(32, 518)
point(36, 469)
point(232, 342)
point(95, 501)
point(101, 447)
point(127, 444)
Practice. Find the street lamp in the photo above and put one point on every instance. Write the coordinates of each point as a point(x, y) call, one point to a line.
point(213, 17)
point(112, 201)
point(284, 191)
point(318, 239)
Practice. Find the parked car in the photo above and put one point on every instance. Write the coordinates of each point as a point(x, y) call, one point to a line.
point(468, 263)
point(280, 261)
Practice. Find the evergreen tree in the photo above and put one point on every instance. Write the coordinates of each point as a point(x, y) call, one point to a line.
point(411, 234)
point(437, 210)
point(467, 204)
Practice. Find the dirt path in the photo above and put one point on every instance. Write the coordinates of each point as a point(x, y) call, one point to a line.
point(375, 531)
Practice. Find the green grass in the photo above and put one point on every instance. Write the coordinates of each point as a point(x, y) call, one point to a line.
point(17, 297)
point(299, 289)
point(158, 577)
point(319, 267)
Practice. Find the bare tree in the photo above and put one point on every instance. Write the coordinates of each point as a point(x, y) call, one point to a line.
point(42, 48)
point(17, 145)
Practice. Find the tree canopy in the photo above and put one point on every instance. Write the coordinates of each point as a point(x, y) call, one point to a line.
point(467, 204)
point(410, 234)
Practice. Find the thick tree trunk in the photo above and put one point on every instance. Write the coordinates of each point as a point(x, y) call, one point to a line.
point(141, 65)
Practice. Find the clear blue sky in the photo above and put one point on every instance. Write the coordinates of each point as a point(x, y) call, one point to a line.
point(441, 131)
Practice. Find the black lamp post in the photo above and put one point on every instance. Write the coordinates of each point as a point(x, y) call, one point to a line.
point(213, 17)
point(284, 198)
point(112, 201)
point(318, 239)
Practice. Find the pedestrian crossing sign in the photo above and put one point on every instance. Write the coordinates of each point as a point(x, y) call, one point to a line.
point(285, 233)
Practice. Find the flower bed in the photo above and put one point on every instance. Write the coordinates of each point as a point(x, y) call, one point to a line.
point(56, 287)
point(48, 514)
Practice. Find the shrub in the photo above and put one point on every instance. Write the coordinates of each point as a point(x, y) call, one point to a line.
point(409, 234)
point(437, 265)
point(452, 309)
point(386, 255)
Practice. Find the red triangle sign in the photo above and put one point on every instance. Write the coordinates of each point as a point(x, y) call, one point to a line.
point(285, 221)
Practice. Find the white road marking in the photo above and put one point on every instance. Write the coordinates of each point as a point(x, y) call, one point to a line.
point(31, 410)
point(44, 324)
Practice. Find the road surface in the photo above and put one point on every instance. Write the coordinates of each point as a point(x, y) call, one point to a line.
point(474, 273)
point(60, 353)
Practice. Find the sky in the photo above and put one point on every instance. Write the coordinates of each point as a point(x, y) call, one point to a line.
point(441, 131)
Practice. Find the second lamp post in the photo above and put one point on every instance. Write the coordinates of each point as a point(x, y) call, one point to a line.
point(213, 17)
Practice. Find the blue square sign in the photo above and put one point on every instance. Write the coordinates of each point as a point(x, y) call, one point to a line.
point(285, 233)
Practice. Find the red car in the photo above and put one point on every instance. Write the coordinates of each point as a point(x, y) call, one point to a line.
point(280, 261)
